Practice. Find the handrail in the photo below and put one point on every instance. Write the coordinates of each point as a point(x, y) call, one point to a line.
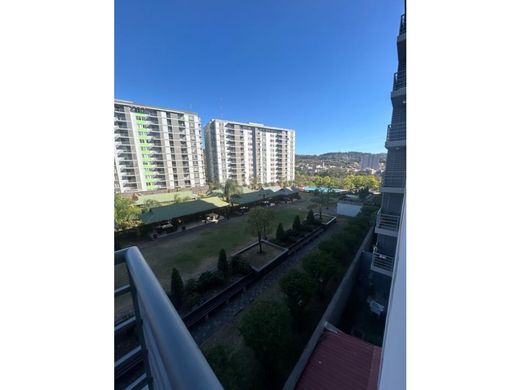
point(174, 358)
point(394, 179)
point(388, 221)
point(399, 79)
point(383, 261)
point(396, 132)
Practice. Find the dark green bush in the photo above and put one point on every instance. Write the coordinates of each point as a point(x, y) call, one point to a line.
point(239, 266)
point(280, 233)
point(310, 217)
point(222, 262)
point(298, 288)
point(296, 224)
point(176, 288)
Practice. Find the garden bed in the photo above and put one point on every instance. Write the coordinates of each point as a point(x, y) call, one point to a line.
point(258, 261)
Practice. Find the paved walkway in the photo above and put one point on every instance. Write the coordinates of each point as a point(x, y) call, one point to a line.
point(204, 329)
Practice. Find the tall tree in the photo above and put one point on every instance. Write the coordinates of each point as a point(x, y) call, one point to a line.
point(310, 217)
point(265, 328)
point(126, 212)
point(280, 233)
point(297, 226)
point(231, 188)
point(323, 199)
point(176, 288)
point(321, 267)
point(259, 221)
point(298, 288)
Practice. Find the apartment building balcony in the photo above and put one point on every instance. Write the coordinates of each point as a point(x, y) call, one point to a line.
point(394, 181)
point(387, 224)
point(172, 359)
point(401, 40)
point(396, 135)
point(399, 80)
point(382, 263)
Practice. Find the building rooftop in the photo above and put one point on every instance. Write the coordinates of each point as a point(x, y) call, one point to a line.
point(341, 361)
point(164, 213)
point(164, 197)
point(130, 103)
point(252, 124)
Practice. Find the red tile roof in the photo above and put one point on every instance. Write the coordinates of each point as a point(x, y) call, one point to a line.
point(341, 361)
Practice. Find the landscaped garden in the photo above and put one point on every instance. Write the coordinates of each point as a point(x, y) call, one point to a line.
point(194, 253)
point(259, 348)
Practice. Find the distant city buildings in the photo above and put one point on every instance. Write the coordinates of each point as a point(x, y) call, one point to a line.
point(249, 152)
point(156, 148)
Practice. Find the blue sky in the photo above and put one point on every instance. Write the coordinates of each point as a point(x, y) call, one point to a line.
point(323, 68)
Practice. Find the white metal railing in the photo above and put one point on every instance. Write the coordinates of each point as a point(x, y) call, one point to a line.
point(172, 358)
point(382, 261)
point(399, 80)
point(387, 221)
point(394, 179)
point(396, 132)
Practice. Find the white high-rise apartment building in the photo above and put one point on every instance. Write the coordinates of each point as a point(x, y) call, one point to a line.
point(249, 152)
point(156, 148)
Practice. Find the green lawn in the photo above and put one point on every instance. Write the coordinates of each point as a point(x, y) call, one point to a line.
point(194, 253)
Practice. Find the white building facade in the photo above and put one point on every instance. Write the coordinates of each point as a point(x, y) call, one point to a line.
point(249, 152)
point(156, 148)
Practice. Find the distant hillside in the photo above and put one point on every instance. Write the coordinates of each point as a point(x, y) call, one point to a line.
point(338, 156)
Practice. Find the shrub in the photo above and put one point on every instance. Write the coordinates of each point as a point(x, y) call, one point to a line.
point(298, 288)
point(310, 217)
point(321, 267)
point(235, 370)
point(239, 266)
point(335, 246)
point(176, 288)
point(296, 224)
point(209, 280)
point(265, 328)
point(193, 299)
point(289, 235)
point(280, 233)
point(190, 286)
point(222, 262)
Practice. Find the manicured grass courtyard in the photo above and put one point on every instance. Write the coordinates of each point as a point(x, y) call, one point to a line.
point(194, 253)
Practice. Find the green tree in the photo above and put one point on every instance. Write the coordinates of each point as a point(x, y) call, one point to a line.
point(254, 182)
point(126, 212)
point(321, 267)
point(280, 233)
point(259, 222)
point(373, 182)
point(323, 200)
point(176, 288)
point(348, 183)
point(231, 188)
point(222, 262)
point(298, 288)
point(265, 329)
point(150, 204)
point(296, 225)
point(310, 217)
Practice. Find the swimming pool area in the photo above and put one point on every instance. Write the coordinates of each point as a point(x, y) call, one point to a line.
point(322, 189)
